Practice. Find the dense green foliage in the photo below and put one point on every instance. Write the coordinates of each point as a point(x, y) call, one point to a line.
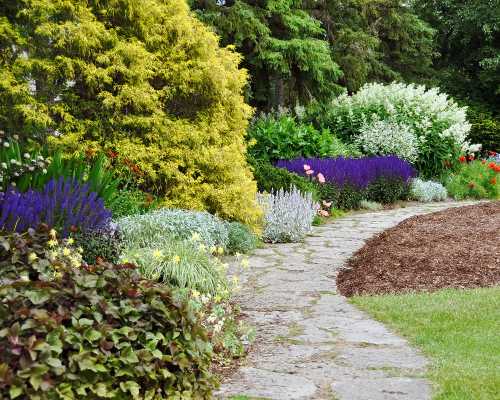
point(143, 78)
point(468, 39)
point(475, 179)
point(270, 179)
point(282, 137)
point(70, 332)
point(283, 47)
point(375, 40)
point(485, 128)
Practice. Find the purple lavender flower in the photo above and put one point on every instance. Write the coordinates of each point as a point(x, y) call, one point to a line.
point(354, 172)
point(62, 204)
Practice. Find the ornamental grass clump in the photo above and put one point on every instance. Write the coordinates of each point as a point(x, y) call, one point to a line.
point(64, 204)
point(288, 215)
point(183, 264)
point(427, 191)
point(93, 332)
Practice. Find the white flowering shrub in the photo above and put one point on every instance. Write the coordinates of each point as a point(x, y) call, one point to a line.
point(288, 215)
point(142, 230)
point(388, 138)
point(427, 191)
point(439, 124)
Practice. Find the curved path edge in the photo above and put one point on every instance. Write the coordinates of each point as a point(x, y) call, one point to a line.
point(311, 343)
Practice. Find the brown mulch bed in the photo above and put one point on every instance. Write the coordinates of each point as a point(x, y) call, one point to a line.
point(458, 247)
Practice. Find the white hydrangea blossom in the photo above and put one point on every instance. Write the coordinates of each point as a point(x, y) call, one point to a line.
point(288, 215)
point(427, 191)
point(388, 138)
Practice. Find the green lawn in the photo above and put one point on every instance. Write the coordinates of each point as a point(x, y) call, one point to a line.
point(459, 330)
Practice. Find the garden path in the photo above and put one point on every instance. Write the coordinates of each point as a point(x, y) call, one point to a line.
point(311, 343)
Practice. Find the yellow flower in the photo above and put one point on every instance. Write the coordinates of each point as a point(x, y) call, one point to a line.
point(66, 252)
point(157, 254)
point(80, 250)
point(213, 249)
point(176, 259)
point(196, 237)
point(32, 257)
point(53, 254)
point(53, 233)
point(125, 261)
point(202, 247)
point(195, 293)
point(220, 250)
point(58, 275)
point(52, 243)
point(71, 241)
point(245, 263)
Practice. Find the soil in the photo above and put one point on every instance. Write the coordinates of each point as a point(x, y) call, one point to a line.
point(458, 247)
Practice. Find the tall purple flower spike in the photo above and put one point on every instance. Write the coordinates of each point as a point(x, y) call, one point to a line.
point(356, 172)
point(63, 203)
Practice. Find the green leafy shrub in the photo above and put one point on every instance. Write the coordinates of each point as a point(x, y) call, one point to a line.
point(485, 128)
point(132, 201)
point(151, 84)
point(476, 179)
point(93, 332)
point(240, 238)
point(269, 179)
point(439, 124)
point(343, 198)
point(106, 245)
point(387, 191)
point(281, 136)
point(181, 264)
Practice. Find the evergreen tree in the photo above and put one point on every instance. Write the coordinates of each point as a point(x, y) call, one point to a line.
point(375, 40)
point(284, 48)
point(143, 78)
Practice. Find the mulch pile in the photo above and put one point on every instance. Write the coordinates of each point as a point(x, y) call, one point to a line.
point(458, 247)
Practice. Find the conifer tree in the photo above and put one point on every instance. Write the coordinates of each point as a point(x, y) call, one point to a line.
point(141, 77)
point(284, 48)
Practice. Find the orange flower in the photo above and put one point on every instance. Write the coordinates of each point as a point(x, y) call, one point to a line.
point(493, 181)
point(471, 185)
point(497, 168)
point(462, 159)
point(112, 154)
point(492, 165)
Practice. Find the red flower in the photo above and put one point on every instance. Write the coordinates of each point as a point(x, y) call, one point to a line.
point(492, 153)
point(462, 159)
point(493, 181)
point(471, 157)
point(497, 168)
point(492, 165)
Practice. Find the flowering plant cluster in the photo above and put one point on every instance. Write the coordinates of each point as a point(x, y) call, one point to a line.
point(439, 124)
point(388, 138)
point(356, 172)
point(476, 179)
point(63, 204)
point(17, 167)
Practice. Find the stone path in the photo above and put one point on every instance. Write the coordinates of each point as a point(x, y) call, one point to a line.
point(311, 343)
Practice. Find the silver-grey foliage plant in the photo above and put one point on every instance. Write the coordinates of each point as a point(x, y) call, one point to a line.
point(288, 215)
point(427, 191)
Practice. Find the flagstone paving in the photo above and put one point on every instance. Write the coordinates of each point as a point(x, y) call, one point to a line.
point(311, 343)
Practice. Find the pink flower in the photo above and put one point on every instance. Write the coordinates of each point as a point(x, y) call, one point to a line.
point(324, 213)
point(321, 178)
point(307, 167)
point(327, 204)
point(309, 172)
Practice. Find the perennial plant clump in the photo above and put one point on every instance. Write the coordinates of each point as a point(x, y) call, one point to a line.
point(63, 204)
point(159, 226)
point(288, 215)
point(355, 172)
point(439, 124)
point(478, 179)
point(427, 191)
point(388, 138)
point(93, 332)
